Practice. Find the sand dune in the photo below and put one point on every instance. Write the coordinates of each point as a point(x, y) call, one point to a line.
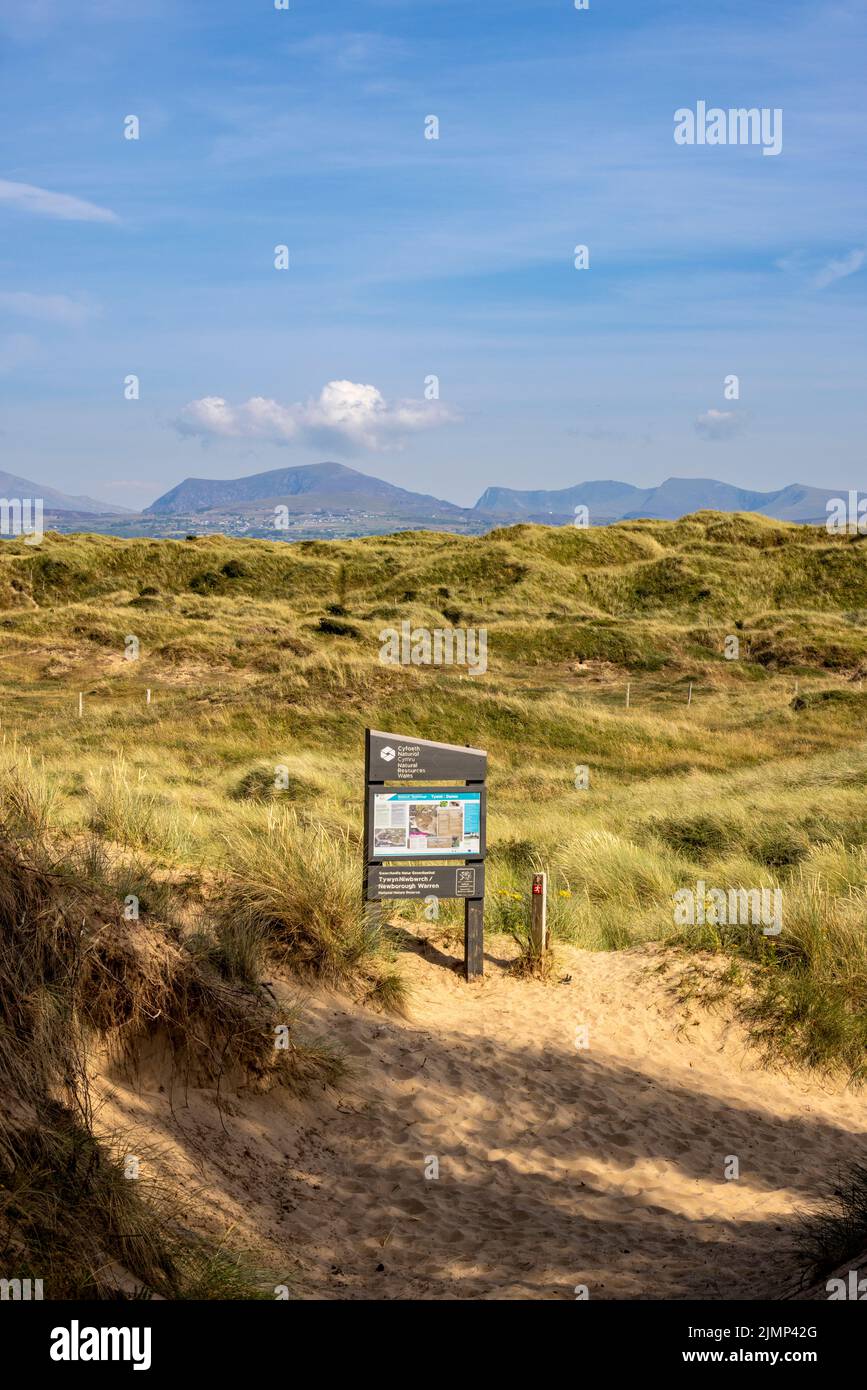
point(558, 1165)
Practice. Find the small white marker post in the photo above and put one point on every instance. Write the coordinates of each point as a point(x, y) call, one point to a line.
point(628, 688)
point(148, 698)
point(689, 696)
point(80, 704)
point(539, 914)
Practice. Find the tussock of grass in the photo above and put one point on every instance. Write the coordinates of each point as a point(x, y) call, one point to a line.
point(69, 1217)
point(73, 968)
point(263, 784)
point(388, 991)
point(808, 1000)
point(530, 962)
point(124, 809)
point(838, 1233)
point(293, 892)
point(26, 793)
point(609, 868)
point(218, 1273)
point(840, 866)
point(65, 1209)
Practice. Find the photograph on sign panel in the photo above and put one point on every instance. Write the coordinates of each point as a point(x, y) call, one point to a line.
point(426, 823)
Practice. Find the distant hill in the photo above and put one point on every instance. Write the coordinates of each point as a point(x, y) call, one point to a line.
point(608, 501)
point(676, 497)
point(307, 488)
point(54, 501)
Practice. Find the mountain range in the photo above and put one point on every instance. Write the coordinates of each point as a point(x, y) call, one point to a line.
point(54, 501)
point(330, 498)
point(609, 501)
point(334, 487)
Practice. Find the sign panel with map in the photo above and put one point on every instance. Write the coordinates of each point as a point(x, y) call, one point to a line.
point(426, 824)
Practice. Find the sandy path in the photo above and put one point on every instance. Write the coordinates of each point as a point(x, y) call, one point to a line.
point(558, 1165)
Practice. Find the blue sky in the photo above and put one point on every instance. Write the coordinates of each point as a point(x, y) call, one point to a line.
point(411, 257)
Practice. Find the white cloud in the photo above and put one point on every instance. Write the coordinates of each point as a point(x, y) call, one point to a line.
point(838, 270)
point(258, 418)
point(717, 425)
point(53, 308)
point(345, 413)
point(29, 198)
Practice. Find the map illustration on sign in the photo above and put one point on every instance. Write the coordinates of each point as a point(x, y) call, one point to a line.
point(426, 823)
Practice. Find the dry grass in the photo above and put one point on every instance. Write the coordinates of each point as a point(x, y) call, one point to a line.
point(838, 1232)
point(292, 893)
point(72, 970)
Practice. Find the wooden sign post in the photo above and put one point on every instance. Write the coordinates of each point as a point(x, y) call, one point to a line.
point(474, 938)
point(539, 914)
point(411, 834)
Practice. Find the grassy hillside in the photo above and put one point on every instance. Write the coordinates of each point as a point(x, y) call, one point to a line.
point(263, 658)
point(261, 654)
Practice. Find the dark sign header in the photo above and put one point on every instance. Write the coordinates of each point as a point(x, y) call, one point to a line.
point(402, 758)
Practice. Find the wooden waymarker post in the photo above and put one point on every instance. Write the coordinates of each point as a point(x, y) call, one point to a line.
point(148, 699)
point(628, 688)
point(80, 704)
point(539, 914)
point(689, 696)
